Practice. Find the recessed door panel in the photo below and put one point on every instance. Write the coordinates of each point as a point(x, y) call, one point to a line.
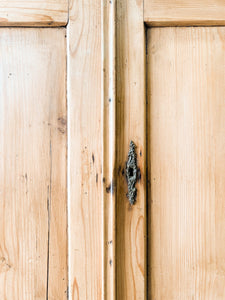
point(186, 155)
point(33, 239)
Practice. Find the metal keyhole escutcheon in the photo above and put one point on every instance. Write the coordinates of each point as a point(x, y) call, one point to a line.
point(131, 173)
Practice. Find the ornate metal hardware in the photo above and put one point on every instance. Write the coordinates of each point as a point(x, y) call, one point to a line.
point(131, 173)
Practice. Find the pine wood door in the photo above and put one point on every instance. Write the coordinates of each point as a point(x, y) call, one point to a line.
point(80, 80)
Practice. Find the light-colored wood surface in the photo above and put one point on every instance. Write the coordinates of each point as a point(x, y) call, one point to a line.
point(85, 150)
point(33, 239)
point(131, 118)
point(184, 12)
point(33, 12)
point(186, 141)
point(109, 148)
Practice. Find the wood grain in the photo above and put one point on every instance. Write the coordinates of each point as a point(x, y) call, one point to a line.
point(186, 130)
point(109, 148)
point(131, 118)
point(33, 12)
point(85, 150)
point(33, 239)
point(184, 12)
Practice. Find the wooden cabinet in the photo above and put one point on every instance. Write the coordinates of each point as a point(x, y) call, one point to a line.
point(79, 81)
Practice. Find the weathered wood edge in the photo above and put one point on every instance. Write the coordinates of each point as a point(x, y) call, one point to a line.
point(109, 147)
point(50, 24)
point(114, 149)
point(157, 22)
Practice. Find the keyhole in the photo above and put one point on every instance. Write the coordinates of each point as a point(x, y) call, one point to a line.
point(131, 172)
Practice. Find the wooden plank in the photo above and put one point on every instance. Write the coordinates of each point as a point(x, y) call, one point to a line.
point(33, 12)
point(184, 12)
point(131, 118)
point(186, 130)
point(85, 150)
point(33, 239)
point(109, 149)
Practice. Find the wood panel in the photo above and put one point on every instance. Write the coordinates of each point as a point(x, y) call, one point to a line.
point(85, 150)
point(186, 130)
point(184, 12)
point(33, 239)
point(33, 12)
point(131, 118)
